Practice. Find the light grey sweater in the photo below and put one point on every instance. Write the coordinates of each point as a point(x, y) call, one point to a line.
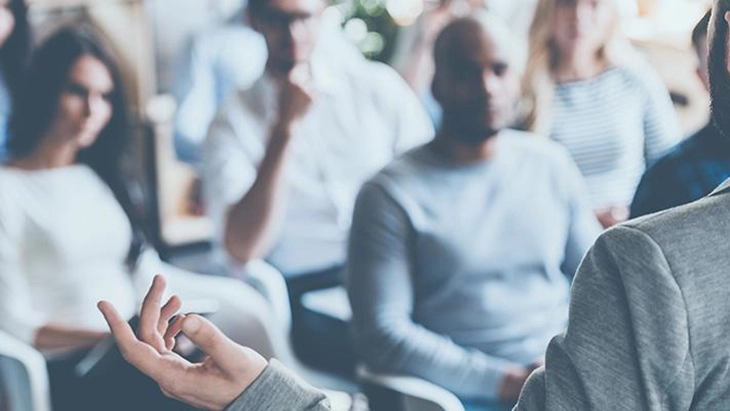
point(456, 272)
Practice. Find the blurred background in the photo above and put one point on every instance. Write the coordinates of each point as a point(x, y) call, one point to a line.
point(152, 35)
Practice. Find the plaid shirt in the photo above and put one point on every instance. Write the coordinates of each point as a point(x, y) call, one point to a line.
point(689, 172)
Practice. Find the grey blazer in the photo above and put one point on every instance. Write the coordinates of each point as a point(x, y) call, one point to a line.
point(649, 325)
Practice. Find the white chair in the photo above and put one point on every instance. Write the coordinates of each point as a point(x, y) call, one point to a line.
point(23, 376)
point(412, 394)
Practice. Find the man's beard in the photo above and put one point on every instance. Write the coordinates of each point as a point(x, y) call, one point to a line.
point(720, 104)
point(719, 85)
point(465, 128)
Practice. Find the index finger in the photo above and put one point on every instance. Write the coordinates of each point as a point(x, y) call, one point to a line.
point(140, 355)
point(121, 331)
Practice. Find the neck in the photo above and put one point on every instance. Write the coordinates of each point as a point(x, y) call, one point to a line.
point(275, 71)
point(577, 65)
point(52, 152)
point(461, 153)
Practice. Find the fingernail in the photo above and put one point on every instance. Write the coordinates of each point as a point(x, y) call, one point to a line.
point(191, 324)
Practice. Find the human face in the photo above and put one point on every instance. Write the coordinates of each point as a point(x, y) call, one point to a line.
point(581, 25)
point(291, 29)
point(478, 86)
point(84, 106)
point(7, 21)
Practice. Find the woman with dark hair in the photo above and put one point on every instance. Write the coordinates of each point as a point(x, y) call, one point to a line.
point(69, 235)
point(14, 49)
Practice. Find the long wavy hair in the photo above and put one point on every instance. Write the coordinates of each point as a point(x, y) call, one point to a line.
point(542, 59)
point(37, 106)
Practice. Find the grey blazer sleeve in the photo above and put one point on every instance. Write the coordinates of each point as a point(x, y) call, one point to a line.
point(277, 389)
point(627, 342)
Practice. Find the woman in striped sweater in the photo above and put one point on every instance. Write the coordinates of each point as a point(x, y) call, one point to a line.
point(589, 90)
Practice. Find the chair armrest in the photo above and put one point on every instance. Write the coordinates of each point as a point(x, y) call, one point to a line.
point(23, 371)
point(339, 400)
point(330, 302)
point(417, 394)
point(270, 282)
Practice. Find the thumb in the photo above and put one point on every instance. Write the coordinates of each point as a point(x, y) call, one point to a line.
point(211, 340)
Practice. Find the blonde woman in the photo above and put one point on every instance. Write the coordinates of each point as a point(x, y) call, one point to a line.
point(590, 91)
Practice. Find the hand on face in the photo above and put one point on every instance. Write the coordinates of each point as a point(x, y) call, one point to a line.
point(213, 384)
point(295, 95)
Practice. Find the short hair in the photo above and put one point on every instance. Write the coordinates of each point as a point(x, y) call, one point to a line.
point(699, 33)
point(256, 7)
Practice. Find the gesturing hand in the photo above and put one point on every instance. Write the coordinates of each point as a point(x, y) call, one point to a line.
point(213, 384)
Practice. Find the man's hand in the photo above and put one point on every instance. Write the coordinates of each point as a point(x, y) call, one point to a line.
point(295, 96)
point(512, 382)
point(226, 372)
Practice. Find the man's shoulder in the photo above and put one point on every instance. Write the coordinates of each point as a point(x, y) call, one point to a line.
point(374, 77)
point(532, 142)
point(407, 164)
point(700, 225)
point(223, 35)
point(243, 99)
point(698, 145)
point(692, 152)
point(406, 169)
point(537, 150)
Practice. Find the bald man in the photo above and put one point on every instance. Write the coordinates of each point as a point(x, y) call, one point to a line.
point(485, 225)
point(462, 250)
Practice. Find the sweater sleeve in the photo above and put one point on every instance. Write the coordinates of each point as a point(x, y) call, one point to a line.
point(278, 389)
point(661, 127)
point(627, 342)
point(583, 227)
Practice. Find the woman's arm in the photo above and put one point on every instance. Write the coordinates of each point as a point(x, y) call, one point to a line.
point(54, 336)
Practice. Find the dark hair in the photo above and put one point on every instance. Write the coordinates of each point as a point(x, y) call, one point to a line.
point(256, 7)
point(699, 33)
point(717, 68)
point(37, 105)
point(14, 53)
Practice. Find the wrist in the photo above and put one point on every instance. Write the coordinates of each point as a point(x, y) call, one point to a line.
point(282, 130)
point(513, 379)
